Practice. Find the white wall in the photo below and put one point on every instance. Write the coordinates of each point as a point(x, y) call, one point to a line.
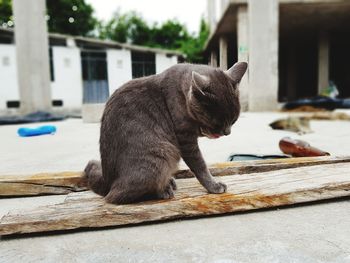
point(8, 75)
point(163, 62)
point(119, 68)
point(67, 85)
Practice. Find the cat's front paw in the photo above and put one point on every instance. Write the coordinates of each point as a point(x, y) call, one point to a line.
point(217, 188)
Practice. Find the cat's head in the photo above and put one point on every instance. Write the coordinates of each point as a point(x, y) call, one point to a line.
point(213, 100)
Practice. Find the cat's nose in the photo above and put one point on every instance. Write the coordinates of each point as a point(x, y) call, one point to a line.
point(227, 131)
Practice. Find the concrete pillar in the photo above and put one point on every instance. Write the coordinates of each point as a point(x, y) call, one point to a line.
point(211, 9)
point(213, 59)
point(32, 51)
point(223, 52)
point(263, 54)
point(323, 61)
point(243, 52)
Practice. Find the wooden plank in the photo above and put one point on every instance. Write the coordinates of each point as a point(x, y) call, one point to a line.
point(68, 182)
point(41, 184)
point(247, 167)
point(245, 192)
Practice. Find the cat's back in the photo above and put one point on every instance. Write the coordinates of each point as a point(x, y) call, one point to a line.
point(137, 107)
point(136, 114)
point(134, 88)
point(138, 88)
point(133, 95)
point(139, 94)
point(183, 70)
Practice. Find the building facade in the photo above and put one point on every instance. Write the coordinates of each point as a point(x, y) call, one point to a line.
point(82, 70)
point(294, 48)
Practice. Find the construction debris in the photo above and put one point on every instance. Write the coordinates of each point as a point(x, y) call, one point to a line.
point(319, 102)
point(327, 115)
point(299, 148)
point(304, 108)
point(301, 125)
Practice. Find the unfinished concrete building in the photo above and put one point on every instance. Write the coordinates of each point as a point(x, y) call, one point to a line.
point(293, 47)
point(41, 71)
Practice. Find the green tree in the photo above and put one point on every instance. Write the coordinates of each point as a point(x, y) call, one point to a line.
point(72, 17)
point(194, 46)
point(5, 13)
point(126, 28)
point(132, 28)
point(170, 35)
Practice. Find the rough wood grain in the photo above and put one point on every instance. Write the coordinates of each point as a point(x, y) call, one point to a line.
point(245, 192)
point(41, 184)
point(246, 167)
point(68, 182)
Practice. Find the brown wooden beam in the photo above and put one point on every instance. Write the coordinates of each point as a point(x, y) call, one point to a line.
point(245, 192)
point(68, 182)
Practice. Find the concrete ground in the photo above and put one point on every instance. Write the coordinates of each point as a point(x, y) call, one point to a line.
point(318, 232)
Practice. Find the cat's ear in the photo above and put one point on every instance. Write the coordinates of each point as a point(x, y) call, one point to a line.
point(237, 71)
point(199, 83)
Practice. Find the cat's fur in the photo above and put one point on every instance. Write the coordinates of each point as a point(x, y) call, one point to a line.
point(150, 122)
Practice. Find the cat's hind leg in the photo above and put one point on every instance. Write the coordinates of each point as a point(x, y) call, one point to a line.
point(93, 175)
point(148, 178)
point(127, 195)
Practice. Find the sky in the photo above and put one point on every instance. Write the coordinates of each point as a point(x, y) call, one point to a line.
point(188, 12)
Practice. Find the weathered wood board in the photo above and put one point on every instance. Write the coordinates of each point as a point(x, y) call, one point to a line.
point(68, 182)
point(245, 192)
point(41, 184)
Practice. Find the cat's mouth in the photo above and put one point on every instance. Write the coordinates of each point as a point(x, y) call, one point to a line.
point(209, 135)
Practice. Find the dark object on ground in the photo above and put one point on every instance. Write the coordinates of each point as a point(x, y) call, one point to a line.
point(299, 148)
point(42, 130)
point(300, 125)
point(39, 116)
point(319, 102)
point(250, 157)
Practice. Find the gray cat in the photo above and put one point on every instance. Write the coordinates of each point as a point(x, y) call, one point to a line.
point(150, 123)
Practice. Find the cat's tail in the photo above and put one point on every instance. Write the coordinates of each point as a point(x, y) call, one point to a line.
point(95, 181)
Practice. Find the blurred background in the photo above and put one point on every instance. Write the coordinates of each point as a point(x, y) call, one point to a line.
point(57, 55)
point(70, 55)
